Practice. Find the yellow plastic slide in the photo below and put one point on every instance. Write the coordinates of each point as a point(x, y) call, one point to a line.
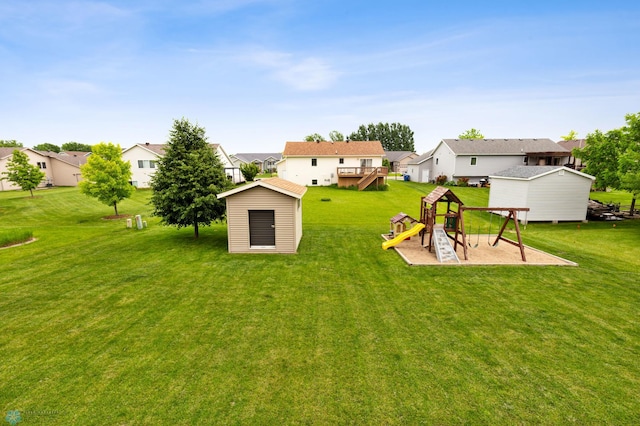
point(401, 237)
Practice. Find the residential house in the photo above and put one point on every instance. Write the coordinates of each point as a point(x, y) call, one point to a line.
point(266, 162)
point(398, 160)
point(419, 168)
point(573, 162)
point(143, 159)
point(345, 163)
point(61, 169)
point(552, 193)
point(476, 159)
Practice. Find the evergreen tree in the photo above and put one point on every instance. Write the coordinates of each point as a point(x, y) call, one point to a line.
point(106, 176)
point(24, 174)
point(188, 179)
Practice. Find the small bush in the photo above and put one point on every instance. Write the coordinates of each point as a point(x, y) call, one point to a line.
point(463, 181)
point(441, 180)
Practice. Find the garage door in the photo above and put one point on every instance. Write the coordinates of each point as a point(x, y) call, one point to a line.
point(262, 228)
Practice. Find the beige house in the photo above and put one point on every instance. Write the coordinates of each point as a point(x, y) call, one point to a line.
point(264, 216)
point(60, 169)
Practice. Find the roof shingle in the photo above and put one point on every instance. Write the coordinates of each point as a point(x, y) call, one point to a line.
point(331, 149)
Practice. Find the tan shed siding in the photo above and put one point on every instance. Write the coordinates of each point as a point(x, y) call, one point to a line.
point(561, 197)
point(259, 198)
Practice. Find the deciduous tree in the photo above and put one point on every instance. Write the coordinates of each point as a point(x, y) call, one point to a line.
point(187, 180)
point(12, 143)
point(314, 137)
point(570, 136)
point(471, 134)
point(106, 176)
point(393, 137)
point(249, 171)
point(22, 173)
point(76, 146)
point(47, 147)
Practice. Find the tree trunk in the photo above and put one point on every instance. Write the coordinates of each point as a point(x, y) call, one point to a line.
point(31, 191)
point(115, 207)
point(195, 229)
point(633, 205)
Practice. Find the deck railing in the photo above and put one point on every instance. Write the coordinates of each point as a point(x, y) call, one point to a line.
point(362, 171)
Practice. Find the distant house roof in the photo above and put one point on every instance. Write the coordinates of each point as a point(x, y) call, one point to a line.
point(503, 146)
point(332, 149)
point(394, 156)
point(159, 149)
point(575, 143)
point(275, 184)
point(8, 151)
point(422, 158)
point(249, 157)
point(77, 158)
point(532, 172)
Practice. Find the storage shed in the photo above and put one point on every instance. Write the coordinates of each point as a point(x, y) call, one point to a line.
point(553, 193)
point(264, 216)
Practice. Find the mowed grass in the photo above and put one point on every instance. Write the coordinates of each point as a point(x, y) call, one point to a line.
point(106, 325)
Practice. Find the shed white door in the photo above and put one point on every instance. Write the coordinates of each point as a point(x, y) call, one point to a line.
point(262, 228)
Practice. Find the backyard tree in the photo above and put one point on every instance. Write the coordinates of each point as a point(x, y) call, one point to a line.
point(336, 136)
point(249, 171)
point(570, 136)
point(314, 137)
point(106, 176)
point(22, 173)
point(76, 146)
point(471, 134)
point(614, 157)
point(12, 143)
point(187, 180)
point(47, 147)
point(393, 137)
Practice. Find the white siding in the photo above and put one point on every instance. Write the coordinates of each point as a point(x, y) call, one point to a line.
point(299, 169)
point(140, 176)
point(444, 162)
point(486, 165)
point(288, 219)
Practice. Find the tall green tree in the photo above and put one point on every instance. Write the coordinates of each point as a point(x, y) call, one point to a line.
point(471, 134)
point(106, 176)
point(22, 173)
point(393, 137)
point(47, 147)
point(572, 135)
point(336, 136)
point(76, 146)
point(188, 179)
point(314, 137)
point(12, 143)
point(614, 157)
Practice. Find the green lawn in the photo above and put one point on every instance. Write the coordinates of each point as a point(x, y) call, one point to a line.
point(106, 325)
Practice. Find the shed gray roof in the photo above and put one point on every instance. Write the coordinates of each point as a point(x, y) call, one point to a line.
point(530, 172)
point(504, 146)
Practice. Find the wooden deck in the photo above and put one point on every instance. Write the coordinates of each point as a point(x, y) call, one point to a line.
point(362, 177)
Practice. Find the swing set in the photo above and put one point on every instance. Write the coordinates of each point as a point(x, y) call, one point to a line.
point(454, 220)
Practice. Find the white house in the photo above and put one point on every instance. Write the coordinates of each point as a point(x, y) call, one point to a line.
point(325, 163)
point(553, 193)
point(419, 168)
point(143, 159)
point(476, 159)
point(398, 160)
point(265, 161)
point(61, 169)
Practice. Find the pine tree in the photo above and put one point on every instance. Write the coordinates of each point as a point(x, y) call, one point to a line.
point(188, 179)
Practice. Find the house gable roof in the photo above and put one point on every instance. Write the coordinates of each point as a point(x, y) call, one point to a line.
point(575, 143)
point(393, 156)
point(250, 157)
point(333, 149)
point(503, 146)
point(422, 158)
point(275, 184)
point(534, 172)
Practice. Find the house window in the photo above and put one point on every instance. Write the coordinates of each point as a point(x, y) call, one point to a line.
point(314, 162)
point(474, 160)
point(146, 164)
point(525, 160)
point(42, 165)
point(366, 162)
point(152, 164)
point(340, 160)
point(314, 181)
point(436, 161)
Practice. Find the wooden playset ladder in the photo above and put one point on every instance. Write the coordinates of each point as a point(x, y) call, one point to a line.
point(443, 247)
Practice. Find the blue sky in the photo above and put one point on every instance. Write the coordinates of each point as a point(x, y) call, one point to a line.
point(258, 73)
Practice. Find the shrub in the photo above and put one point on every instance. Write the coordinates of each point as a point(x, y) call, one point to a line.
point(463, 181)
point(14, 236)
point(441, 180)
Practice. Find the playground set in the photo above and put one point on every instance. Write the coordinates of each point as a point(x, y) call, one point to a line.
point(451, 229)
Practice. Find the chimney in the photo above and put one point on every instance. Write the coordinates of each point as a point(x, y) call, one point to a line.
point(146, 143)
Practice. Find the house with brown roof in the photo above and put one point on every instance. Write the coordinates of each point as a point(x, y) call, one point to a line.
point(144, 156)
point(345, 163)
point(60, 169)
point(574, 162)
point(476, 159)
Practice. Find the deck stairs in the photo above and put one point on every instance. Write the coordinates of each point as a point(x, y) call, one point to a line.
point(442, 244)
point(367, 180)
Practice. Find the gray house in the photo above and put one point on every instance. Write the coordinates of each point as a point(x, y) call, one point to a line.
point(264, 216)
point(476, 159)
point(553, 193)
